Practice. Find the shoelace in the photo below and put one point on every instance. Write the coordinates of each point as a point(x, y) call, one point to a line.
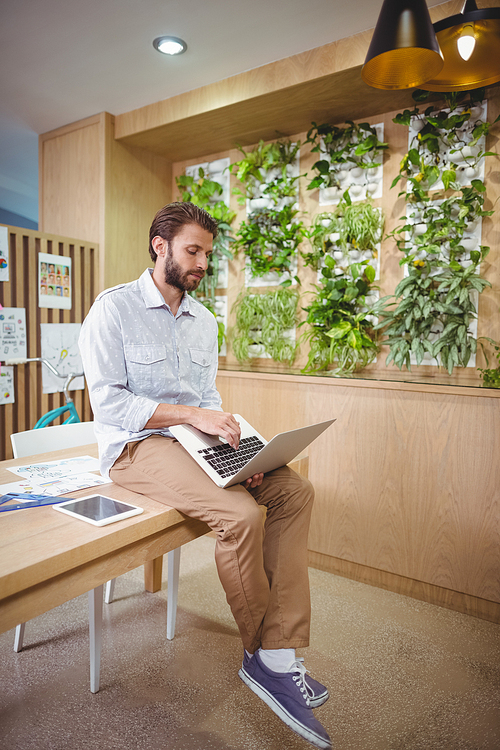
point(300, 679)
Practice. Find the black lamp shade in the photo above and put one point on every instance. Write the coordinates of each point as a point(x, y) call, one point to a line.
point(404, 51)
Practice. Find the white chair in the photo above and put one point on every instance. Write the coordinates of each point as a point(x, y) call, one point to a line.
point(53, 438)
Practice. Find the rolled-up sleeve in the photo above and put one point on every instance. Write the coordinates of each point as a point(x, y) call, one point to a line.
point(101, 347)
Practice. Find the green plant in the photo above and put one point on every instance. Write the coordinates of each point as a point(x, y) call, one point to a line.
point(255, 165)
point(262, 321)
point(206, 193)
point(221, 329)
point(319, 235)
point(445, 142)
point(434, 306)
point(431, 311)
point(350, 227)
point(339, 319)
point(356, 145)
point(491, 376)
point(269, 239)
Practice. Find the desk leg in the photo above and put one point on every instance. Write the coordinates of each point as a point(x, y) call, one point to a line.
point(174, 561)
point(152, 574)
point(95, 633)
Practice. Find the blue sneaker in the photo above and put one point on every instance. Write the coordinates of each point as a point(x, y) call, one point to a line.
point(316, 692)
point(286, 694)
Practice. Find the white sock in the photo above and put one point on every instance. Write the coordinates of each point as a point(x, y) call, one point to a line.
point(277, 659)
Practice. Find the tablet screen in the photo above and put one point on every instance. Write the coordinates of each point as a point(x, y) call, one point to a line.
point(98, 508)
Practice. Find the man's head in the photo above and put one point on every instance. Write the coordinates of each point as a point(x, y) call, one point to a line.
point(169, 221)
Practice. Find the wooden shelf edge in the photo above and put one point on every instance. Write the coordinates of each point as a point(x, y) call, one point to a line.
point(387, 385)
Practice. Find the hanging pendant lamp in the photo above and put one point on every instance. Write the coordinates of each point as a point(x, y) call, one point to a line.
point(479, 31)
point(404, 52)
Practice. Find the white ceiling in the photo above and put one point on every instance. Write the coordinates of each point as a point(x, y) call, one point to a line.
point(62, 60)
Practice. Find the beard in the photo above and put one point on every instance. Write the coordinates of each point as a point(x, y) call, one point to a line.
point(176, 277)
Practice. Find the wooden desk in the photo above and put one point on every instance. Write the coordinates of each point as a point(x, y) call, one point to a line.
point(47, 558)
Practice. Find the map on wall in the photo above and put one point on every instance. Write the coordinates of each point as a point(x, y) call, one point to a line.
point(60, 348)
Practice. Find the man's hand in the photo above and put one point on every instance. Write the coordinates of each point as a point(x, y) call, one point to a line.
point(219, 423)
point(254, 481)
point(213, 422)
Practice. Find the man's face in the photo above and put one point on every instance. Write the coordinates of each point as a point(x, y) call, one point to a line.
point(186, 259)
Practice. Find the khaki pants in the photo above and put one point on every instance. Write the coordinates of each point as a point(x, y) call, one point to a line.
point(262, 567)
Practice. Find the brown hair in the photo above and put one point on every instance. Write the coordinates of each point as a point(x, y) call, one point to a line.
point(170, 219)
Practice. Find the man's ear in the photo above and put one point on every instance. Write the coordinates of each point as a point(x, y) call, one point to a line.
point(159, 246)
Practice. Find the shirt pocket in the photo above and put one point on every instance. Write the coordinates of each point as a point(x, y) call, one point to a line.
point(146, 368)
point(200, 368)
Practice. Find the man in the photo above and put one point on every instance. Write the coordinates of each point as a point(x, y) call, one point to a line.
point(150, 358)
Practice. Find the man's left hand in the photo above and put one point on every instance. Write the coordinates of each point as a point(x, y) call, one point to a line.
point(254, 481)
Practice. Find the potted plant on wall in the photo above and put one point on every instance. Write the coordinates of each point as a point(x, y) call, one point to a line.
point(431, 313)
point(206, 193)
point(264, 325)
point(272, 233)
point(350, 157)
point(490, 375)
point(341, 326)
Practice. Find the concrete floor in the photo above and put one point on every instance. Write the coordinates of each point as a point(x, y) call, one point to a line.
point(402, 674)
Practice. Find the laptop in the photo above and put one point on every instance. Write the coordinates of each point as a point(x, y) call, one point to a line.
point(227, 466)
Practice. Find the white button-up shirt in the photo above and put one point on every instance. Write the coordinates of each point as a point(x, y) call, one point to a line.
point(136, 354)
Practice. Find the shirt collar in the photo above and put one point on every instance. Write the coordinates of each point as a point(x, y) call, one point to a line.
point(154, 298)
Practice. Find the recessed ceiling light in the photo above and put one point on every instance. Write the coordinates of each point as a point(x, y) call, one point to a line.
point(170, 45)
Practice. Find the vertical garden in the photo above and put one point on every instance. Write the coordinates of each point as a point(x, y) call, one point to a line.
point(343, 252)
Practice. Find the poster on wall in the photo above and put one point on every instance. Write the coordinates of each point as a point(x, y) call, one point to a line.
point(12, 333)
point(54, 281)
point(4, 254)
point(6, 385)
point(60, 348)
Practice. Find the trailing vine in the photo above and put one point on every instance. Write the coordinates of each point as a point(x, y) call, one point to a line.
point(262, 322)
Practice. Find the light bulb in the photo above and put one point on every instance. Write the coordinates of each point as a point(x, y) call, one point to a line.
point(170, 45)
point(466, 42)
point(171, 48)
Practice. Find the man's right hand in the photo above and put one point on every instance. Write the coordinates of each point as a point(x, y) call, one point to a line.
point(219, 423)
point(213, 422)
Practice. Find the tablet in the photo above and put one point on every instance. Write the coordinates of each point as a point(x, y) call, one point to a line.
point(98, 509)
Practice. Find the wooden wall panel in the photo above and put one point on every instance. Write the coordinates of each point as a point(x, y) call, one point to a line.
point(138, 184)
point(407, 480)
point(70, 165)
point(103, 191)
point(22, 291)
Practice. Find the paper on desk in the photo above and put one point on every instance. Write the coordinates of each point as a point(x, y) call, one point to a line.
point(48, 470)
point(56, 477)
point(54, 487)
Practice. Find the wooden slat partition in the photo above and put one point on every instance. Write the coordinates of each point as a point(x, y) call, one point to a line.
point(22, 291)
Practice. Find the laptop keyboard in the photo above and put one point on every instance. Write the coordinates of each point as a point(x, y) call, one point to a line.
point(226, 460)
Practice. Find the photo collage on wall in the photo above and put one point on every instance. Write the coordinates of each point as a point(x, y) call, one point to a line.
point(54, 281)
